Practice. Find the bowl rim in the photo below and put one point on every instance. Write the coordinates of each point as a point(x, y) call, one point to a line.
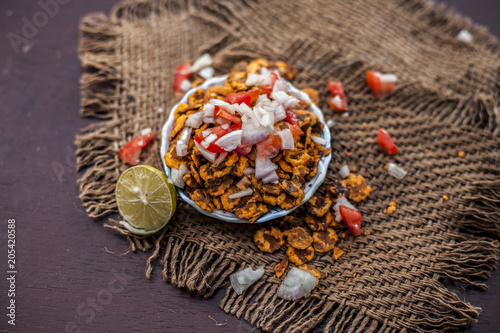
point(310, 187)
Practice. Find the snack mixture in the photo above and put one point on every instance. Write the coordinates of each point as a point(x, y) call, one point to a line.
point(246, 146)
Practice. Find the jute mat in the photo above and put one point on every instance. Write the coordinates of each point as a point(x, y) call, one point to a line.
point(447, 101)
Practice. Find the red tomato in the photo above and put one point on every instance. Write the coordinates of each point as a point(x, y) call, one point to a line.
point(291, 116)
point(336, 88)
point(352, 219)
point(295, 129)
point(268, 88)
point(132, 150)
point(380, 89)
point(226, 115)
point(343, 103)
point(244, 149)
point(248, 98)
point(232, 97)
point(269, 145)
point(219, 132)
point(182, 73)
point(385, 141)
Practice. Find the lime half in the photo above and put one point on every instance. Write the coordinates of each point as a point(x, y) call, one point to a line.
point(146, 199)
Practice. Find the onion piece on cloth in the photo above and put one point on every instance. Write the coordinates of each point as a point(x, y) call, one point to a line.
point(297, 284)
point(245, 278)
point(396, 171)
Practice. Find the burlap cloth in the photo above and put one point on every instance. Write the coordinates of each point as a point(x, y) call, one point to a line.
point(447, 101)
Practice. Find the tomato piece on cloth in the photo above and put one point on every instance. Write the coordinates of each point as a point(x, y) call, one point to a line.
point(385, 141)
point(381, 84)
point(352, 219)
point(132, 150)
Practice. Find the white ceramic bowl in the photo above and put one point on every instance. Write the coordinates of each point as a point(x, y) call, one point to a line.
point(310, 187)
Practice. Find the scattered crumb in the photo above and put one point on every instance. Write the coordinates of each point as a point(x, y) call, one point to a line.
point(353, 168)
point(445, 197)
point(419, 224)
point(461, 153)
point(337, 253)
point(365, 125)
point(391, 209)
point(426, 151)
point(386, 167)
point(418, 236)
point(347, 153)
point(354, 275)
point(366, 232)
point(343, 235)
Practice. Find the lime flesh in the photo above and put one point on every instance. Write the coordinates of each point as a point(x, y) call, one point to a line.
point(146, 199)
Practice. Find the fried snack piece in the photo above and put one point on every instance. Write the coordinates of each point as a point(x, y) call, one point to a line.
point(231, 160)
point(217, 203)
point(256, 65)
point(196, 99)
point(194, 171)
point(286, 70)
point(282, 174)
point(285, 166)
point(297, 157)
point(358, 188)
point(288, 203)
point(268, 239)
point(181, 109)
point(299, 238)
point(227, 203)
point(261, 210)
point(190, 180)
point(273, 189)
point(201, 198)
point(319, 205)
point(236, 80)
point(306, 118)
point(257, 183)
point(240, 167)
point(313, 94)
point(219, 189)
point(325, 241)
point(291, 188)
point(300, 257)
point(338, 190)
point(311, 270)
point(299, 174)
point(280, 268)
point(178, 126)
point(274, 200)
point(290, 222)
point(319, 223)
point(337, 253)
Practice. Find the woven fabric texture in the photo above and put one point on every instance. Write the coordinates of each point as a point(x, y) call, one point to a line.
point(447, 101)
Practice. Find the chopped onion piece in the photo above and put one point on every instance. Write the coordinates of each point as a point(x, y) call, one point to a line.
point(254, 79)
point(241, 194)
point(230, 141)
point(330, 123)
point(218, 102)
point(284, 99)
point(219, 159)
point(345, 115)
point(396, 171)
point(248, 171)
point(222, 121)
point(263, 167)
point(297, 284)
point(280, 85)
point(245, 278)
point(177, 174)
point(207, 154)
point(206, 73)
point(206, 132)
point(185, 85)
point(279, 113)
point(319, 140)
point(464, 36)
point(342, 201)
point(194, 120)
point(208, 120)
point(344, 171)
point(252, 135)
point(204, 61)
point(208, 110)
point(181, 148)
point(270, 178)
point(244, 182)
point(225, 126)
point(388, 78)
point(186, 134)
point(208, 140)
point(146, 131)
point(287, 141)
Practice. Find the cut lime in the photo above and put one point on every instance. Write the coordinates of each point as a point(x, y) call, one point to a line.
point(146, 199)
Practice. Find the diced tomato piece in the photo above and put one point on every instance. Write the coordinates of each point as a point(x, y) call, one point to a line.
point(232, 97)
point(336, 88)
point(385, 141)
point(219, 132)
point(352, 219)
point(295, 129)
point(269, 145)
point(291, 116)
point(132, 150)
point(268, 88)
point(182, 73)
point(219, 112)
point(244, 149)
point(343, 103)
point(248, 98)
point(380, 89)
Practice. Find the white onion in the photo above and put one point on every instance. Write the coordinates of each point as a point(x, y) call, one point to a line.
point(222, 121)
point(280, 85)
point(284, 99)
point(337, 101)
point(258, 79)
point(245, 278)
point(146, 131)
point(263, 167)
point(186, 134)
point(207, 154)
point(208, 140)
point(345, 115)
point(206, 73)
point(464, 36)
point(218, 102)
point(230, 141)
point(330, 123)
point(344, 171)
point(396, 171)
point(185, 85)
point(287, 141)
point(271, 178)
point(384, 78)
point(319, 140)
point(248, 171)
point(208, 110)
point(208, 120)
point(225, 126)
point(252, 136)
point(243, 182)
point(177, 174)
point(297, 284)
point(181, 148)
point(279, 113)
point(219, 159)
point(241, 194)
point(342, 201)
point(194, 120)
point(204, 61)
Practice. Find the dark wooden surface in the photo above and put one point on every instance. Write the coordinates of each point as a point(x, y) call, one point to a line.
point(67, 263)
